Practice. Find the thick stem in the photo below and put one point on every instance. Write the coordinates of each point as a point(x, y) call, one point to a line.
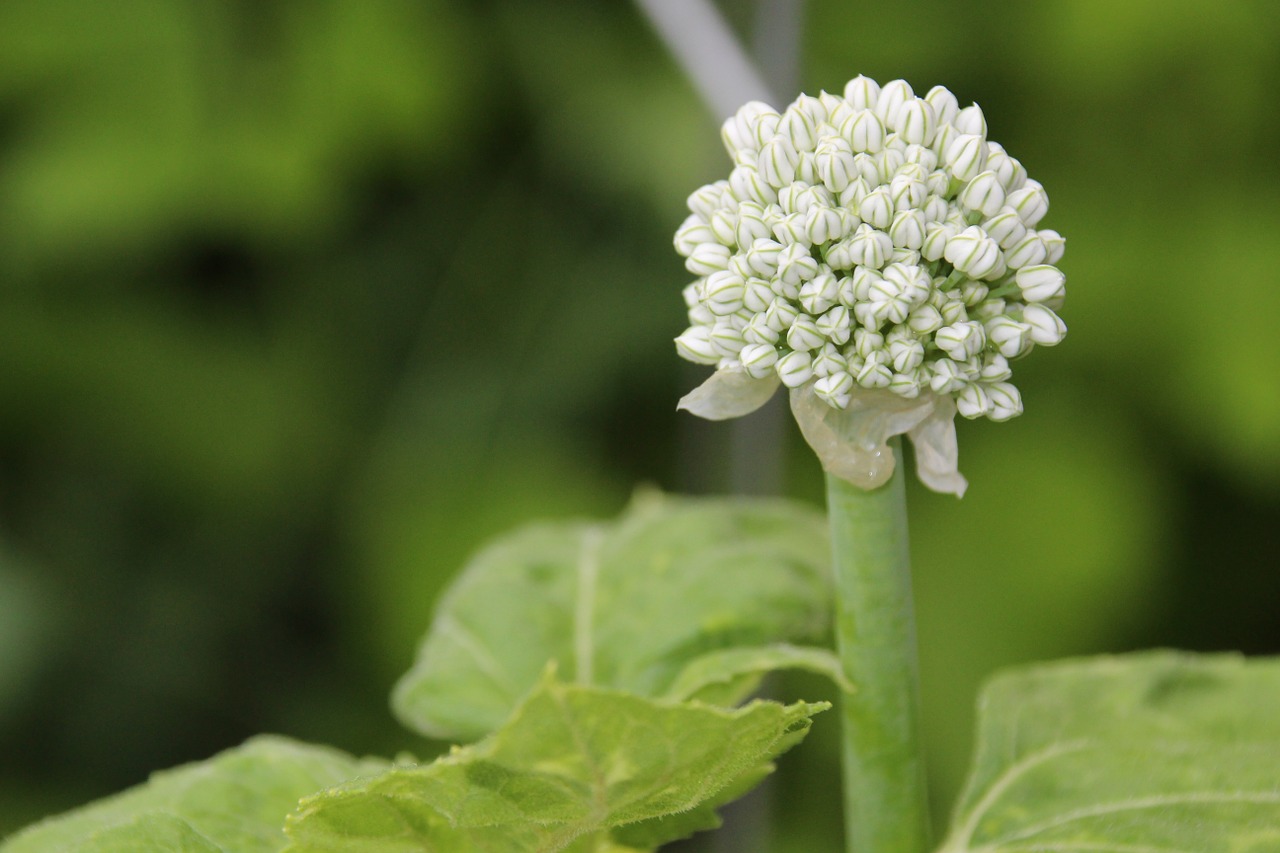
point(885, 804)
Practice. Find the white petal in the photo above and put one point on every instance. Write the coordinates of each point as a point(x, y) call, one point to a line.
point(728, 393)
point(937, 453)
point(852, 443)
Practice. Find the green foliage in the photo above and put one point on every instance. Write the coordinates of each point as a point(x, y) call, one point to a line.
point(573, 762)
point(1156, 751)
point(676, 598)
point(233, 803)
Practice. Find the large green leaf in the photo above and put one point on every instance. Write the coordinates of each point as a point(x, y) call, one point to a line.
point(572, 764)
point(235, 802)
point(1158, 752)
point(670, 587)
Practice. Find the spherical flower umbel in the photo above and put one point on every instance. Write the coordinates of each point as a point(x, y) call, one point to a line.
point(879, 257)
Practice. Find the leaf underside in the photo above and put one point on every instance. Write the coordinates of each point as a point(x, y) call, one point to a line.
point(1158, 752)
point(650, 604)
point(576, 768)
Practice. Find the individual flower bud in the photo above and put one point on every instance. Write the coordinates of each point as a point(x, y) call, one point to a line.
point(858, 189)
point(788, 196)
point(863, 278)
point(924, 319)
point(907, 192)
point(746, 158)
point(1042, 283)
point(798, 127)
point(995, 368)
point(945, 106)
point(804, 334)
point(1054, 245)
point(724, 225)
point(823, 224)
point(868, 169)
point(868, 247)
point(889, 161)
point(812, 107)
point(705, 200)
point(906, 355)
point(972, 293)
point(835, 324)
point(870, 315)
point(987, 309)
point(751, 225)
point(834, 159)
point(910, 281)
point(815, 196)
point(945, 376)
point(777, 161)
point(1006, 402)
point(907, 229)
point(973, 252)
point(707, 258)
point(1005, 227)
point(757, 295)
point(1010, 337)
point(1031, 202)
point(739, 266)
point(692, 293)
point(781, 314)
point(962, 340)
point(909, 384)
point(936, 236)
point(763, 257)
point(840, 254)
point(828, 360)
point(794, 369)
point(722, 292)
point(692, 231)
point(864, 132)
point(922, 156)
point(695, 345)
point(746, 185)
point(875, 372)
point(807, 169)
point(795, 265)
point(973, 401)
point(877, 208)
point(838, 109)
point(835, 390)
point(966, 156)
point(942, 140)
point(819, 293)
point(791, 229)
point(867, 341)
point(758, 360)
point(738, 132)
point(893, 95)
point(1047, 328)
point(938, 183)
point(983, 194)
point(758, 331)
point(1027, 252)
point(861, 92)
point(1010, 172)
point(970, 120)
point(952, 311)
point(726, 336)
point(700, 315)
point(917, 122)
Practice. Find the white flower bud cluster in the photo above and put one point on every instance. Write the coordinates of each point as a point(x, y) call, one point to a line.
point(872, 241)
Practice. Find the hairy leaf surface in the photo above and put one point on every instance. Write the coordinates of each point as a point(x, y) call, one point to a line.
point(1157, 752)
point(571, 766)
point(671, 586)
point(235, 802)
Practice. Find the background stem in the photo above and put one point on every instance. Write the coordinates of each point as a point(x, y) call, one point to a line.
point(886, 806)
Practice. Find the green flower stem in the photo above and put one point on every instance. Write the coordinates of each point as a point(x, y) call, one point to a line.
point(886, 808)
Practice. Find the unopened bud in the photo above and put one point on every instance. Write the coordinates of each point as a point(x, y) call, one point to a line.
point(970, 120)
point(695, 345)
point(1006, 402)
point(804, 334)
point(861, 92)
point(962, 340)
point(877, 208)
point(973, 401)
point(966, 156)
point(794, 369)
point(864, 131)
point(758, 360)
point(835, 390)
point(777, 162)
point(707, 258)
point(1010, 337)
point(1054, 245)
point(819, 293)
point(945, 376)
point(1042, 283)
point(1031, 202)
point(984, 194)
point(835, 324)
point(1047, 328)
point(828, 360)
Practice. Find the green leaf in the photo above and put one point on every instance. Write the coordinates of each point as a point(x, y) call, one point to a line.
point(235, 802)
point(571, 764)
point(630, 605)
point(1158, 752)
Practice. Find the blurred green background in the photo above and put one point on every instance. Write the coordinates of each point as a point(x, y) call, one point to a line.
point(304, 300)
